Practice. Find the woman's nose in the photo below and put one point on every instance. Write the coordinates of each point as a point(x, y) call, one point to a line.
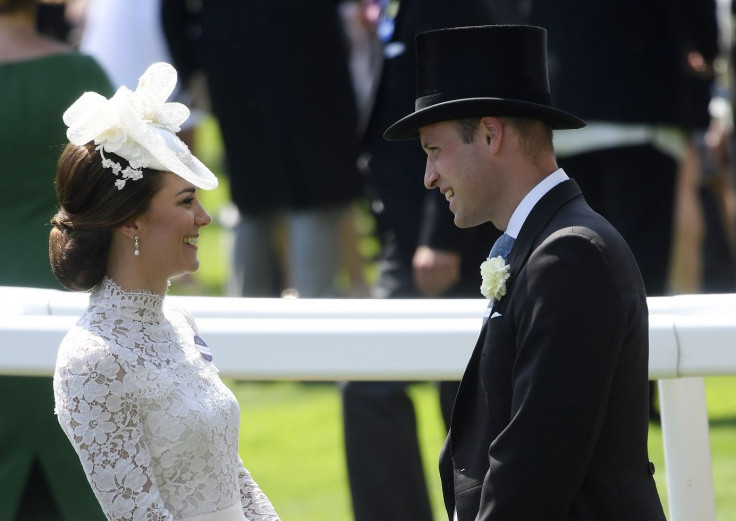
point(204, 218)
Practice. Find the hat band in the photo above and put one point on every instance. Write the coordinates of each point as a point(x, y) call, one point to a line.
point(540, 98)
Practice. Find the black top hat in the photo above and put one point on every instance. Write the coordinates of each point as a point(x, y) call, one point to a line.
point(494, 70)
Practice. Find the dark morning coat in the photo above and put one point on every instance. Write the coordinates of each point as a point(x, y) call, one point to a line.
point(624, 60)
point(280, 87)
point(411, 215)
point(550, 420)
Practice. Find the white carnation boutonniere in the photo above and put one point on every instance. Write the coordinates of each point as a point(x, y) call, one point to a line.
point(495, 273)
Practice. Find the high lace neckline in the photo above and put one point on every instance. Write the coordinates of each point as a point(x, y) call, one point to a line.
point(141, 305)
point(148, 415)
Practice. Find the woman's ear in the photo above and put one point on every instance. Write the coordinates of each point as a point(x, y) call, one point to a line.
point(130, 228)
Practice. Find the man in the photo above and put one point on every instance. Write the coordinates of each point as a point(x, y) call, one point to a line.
point(266, 63)
point(422, 255)
point(550, 421)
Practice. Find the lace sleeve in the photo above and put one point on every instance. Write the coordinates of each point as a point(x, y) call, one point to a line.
point(97, 407)
point(256, 505)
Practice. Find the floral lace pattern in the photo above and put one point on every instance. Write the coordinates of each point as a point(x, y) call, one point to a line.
point(153, 424)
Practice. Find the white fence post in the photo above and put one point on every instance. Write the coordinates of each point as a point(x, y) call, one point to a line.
point(687, 449)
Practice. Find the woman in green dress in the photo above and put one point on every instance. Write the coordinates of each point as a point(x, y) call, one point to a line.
point(40, 474)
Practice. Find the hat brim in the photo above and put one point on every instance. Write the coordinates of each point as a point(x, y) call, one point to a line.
point(408, 127)
point(165, 151)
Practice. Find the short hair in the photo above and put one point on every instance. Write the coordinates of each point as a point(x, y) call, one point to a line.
point(467, 127)
point(535, 135)
point(91, 207)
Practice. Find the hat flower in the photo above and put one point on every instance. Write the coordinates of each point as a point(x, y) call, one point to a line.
point(139, 126)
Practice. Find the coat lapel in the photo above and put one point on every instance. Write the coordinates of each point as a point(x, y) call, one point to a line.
point(538, 218)
point(535, 223)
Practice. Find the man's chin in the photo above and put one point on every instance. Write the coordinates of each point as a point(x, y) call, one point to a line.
point(462, 223)
point(466, 222)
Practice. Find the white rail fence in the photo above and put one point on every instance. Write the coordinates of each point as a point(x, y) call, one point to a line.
point(269, 339)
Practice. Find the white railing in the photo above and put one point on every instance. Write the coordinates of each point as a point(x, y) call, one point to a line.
point(266, 339)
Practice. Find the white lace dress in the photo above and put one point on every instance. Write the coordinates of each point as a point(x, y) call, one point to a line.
point(155, 428)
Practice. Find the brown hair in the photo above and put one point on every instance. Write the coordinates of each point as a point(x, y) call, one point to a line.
point(467, 127)
point(535, 136)
point(91, 207)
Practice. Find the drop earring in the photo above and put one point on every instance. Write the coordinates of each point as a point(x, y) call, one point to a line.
point(137, 251)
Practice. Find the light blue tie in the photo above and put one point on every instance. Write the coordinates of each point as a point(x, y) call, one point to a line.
point(502, 247)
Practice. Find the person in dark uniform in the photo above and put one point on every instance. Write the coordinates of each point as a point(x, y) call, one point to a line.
point(280, 87)
point(423, 255)
point(640, 104)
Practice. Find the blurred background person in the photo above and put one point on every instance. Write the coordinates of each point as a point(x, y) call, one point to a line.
point(280, 87)
point(423, 254)
point(703, 256)
point(125, 36)
point(626, 69)
point(102, 29)
point(40, 475)
point(52, 20)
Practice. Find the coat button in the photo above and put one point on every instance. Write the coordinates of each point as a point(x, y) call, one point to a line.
point(651, 468)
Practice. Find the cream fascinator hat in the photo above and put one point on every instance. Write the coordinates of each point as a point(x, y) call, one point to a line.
point(140, 127)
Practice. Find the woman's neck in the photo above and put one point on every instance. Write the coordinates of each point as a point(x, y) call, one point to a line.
point(131, 279)
point(130, 282)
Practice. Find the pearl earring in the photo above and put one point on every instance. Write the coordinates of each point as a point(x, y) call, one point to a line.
point(137, 251)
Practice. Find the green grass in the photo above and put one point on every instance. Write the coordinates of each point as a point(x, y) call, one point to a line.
point(291, 441)
point(291, 433)
point(721, 397)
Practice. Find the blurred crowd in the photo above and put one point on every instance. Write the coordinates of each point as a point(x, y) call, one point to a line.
point(301, 92)
point(328, 67)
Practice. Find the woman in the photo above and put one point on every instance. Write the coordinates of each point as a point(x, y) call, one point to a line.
point(136, 390)
point(39, 474)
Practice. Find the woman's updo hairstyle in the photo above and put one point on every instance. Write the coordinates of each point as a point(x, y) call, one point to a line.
point(91, 207)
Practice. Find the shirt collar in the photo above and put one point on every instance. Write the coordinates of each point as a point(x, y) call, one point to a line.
point(532, 198)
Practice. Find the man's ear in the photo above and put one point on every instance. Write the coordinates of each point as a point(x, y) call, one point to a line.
point(492, 131)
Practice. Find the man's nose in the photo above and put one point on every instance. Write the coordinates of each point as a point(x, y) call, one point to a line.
point(430, 175)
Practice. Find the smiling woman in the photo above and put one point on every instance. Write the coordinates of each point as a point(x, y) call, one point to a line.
point(136, 390)
point(165, 237)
